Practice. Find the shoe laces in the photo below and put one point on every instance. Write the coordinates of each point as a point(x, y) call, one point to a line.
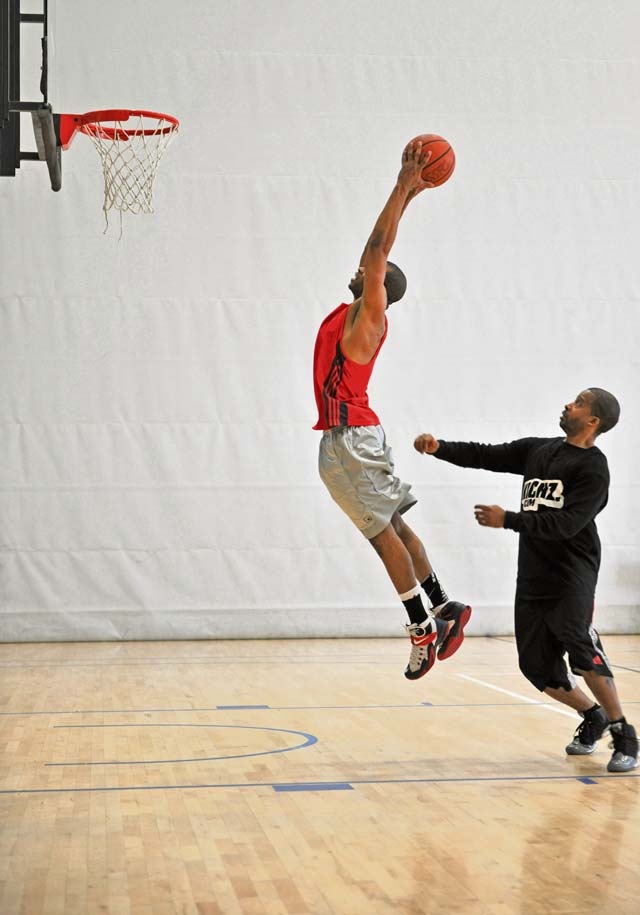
point(586, 732)
point(418, 652)
point(624, 740)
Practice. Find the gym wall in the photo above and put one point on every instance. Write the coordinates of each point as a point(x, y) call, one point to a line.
point(159, 472)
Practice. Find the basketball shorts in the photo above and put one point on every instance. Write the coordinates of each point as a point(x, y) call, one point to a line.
point(356, 466)
point(547, 629)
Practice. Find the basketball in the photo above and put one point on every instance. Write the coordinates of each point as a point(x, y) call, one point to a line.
point(442, 162)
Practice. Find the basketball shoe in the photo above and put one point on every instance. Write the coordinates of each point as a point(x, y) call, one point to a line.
point(425, 639)
point(588, 732)
point(459, 614)
point(625, 747)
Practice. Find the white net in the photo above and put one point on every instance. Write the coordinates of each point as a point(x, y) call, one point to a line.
point(130, 152)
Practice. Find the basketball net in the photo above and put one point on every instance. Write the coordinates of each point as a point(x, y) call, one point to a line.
point(130, 152)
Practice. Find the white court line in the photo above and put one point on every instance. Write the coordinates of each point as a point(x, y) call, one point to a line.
point(507, 692)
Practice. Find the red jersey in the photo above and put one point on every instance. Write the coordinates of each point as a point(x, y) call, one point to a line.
point(340, 384)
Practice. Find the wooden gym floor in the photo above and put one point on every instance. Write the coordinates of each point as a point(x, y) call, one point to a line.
point(304, 778)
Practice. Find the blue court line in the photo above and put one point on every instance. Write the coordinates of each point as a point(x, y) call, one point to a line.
point(597, 776)
point(228, 708)
point(315, 786)
point(587, 781)
point(309, 740)
point(280, 708)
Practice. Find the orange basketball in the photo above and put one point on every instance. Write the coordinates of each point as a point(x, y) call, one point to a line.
point(442, 162)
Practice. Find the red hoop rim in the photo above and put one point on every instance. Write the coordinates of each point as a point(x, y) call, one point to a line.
point(71, 123)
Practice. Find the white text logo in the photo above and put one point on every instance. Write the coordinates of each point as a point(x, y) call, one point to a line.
point(542, 492)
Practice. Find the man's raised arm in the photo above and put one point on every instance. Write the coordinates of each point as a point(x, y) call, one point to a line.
point(373, 262)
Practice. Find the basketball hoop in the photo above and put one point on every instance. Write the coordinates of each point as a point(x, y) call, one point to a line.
point(130, 145)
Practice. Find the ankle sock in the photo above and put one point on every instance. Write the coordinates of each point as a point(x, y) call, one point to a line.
point(434, 590)
point(413, 605)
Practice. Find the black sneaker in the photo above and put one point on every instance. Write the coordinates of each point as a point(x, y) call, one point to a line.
point(588, 732)
point(625, 747)
point(459, 614)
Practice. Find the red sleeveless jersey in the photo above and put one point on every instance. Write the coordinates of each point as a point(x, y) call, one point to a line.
point(340, 384)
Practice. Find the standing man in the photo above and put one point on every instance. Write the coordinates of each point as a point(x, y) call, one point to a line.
point(355, 462)
point(566, 484)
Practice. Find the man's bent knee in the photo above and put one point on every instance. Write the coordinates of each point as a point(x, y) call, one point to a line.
point(543, 681)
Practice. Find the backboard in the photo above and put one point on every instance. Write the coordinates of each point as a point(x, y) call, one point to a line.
point(13, 23)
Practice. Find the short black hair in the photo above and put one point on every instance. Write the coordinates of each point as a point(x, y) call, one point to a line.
point(395, 282)
point(605, 406)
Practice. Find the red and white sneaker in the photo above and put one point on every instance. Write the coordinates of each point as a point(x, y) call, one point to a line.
point(425, 638)
point(458, 615)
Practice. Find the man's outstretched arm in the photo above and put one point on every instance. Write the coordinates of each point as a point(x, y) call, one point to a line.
point(588, 496)
point(509, 457)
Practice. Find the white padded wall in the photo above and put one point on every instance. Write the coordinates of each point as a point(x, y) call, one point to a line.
point(159, 474)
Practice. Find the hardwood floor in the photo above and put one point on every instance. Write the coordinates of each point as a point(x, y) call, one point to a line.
point(304, 778)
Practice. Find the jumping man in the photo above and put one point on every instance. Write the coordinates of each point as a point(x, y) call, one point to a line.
point(355, 461)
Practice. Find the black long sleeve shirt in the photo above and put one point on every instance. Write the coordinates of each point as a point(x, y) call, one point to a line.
point(564, 488)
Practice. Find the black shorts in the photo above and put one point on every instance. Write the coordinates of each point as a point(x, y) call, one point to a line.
point(547, 629)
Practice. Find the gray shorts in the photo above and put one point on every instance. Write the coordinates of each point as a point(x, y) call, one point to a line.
point(356, 466)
